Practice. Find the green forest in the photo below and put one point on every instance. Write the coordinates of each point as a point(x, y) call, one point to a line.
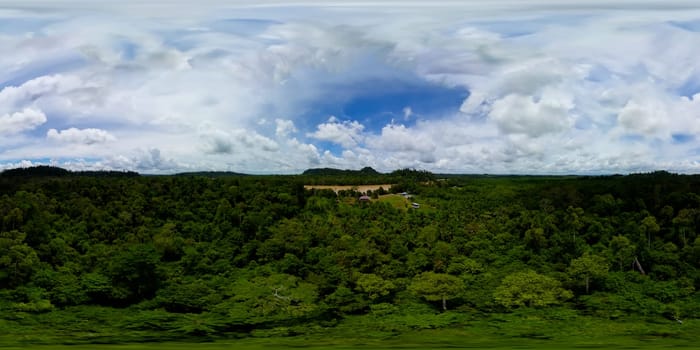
point(121, 257)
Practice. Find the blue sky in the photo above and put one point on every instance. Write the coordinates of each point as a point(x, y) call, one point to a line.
point(525, 87)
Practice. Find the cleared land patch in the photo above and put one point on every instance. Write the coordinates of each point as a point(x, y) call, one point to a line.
point(358, 188)
point(396, 200)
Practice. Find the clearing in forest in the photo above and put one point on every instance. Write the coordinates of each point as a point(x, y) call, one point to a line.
point(358, 188)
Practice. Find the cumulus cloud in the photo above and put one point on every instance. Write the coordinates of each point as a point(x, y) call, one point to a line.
point(399, 138)
point(529, 77)
point(474, 103)
point(251, 139)
point(645, 118)
point(518, 114)
point(241, 140)
point(146, 160)
point(284, 127)
point(34, 89)
point(82, 136)
point(545, 93)
point(151, 159)
point(17, 122)
point(346, 133)
point(217, 142)
point(21, 164)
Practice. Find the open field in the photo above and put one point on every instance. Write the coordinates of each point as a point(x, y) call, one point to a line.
point(529, 329)
point(396, 200)
point(416, 341)
point(359, 188)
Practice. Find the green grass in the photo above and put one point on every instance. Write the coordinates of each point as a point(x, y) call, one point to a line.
point(553, 328)
point(419, 340)
point(396, 200)
point(503, 331)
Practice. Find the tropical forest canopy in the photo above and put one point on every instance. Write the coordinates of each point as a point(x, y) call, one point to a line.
point(206, 254)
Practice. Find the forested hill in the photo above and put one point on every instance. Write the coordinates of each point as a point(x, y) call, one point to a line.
point(52, 171)
point(365, 176)
point(89, 256)
point(335, 172)
point(211, 174)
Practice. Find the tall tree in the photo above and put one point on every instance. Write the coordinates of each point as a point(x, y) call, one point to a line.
point(588, 267)
point(622, 250)
point(437, 287)
point(651, 227)
point(529, 288)
point(374, 286)
point(17, 260)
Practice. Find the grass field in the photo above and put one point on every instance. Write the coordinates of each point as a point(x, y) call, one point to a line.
point(552, 328)
point(511, 333)
point(418, 341)
point(396, 200)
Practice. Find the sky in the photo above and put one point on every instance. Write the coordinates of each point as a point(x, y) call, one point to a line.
point(277, 87)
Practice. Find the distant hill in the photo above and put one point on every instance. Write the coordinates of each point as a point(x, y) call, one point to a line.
point(367, 171)
point(211, 174)
point(41, 170)
point(52, 171)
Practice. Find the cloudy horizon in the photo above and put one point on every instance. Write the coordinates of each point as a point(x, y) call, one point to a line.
point(501, 87)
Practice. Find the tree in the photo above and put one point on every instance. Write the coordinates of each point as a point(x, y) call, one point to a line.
point(574, 220)
point(375, 286)
point(168, 242)
point(622, 250)
point(276, 297)
point(684, 223)
point(68, 289)
point(530, 289)
point(17, 260)
point(345, 301)
point(535, 238)
point(186, 295)
point(97, 286)
point(437, 287)
point(651, 227)
point(588, 267)
point(134, 273)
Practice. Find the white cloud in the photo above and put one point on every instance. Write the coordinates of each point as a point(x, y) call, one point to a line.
point(346, 133)
point(655, 114)
point(251, 139)
point(529, 77)
point(546, 93)
point(34, 89)
point(146, 160)
point(407, 112)
point(399, 138)
point(474, 103)
point(24, 120)
point(518, 114)
point(82, 136)
point(284, 127)
point(646, 117)
point(217, 142)
point(686, 115)
point(238, 140)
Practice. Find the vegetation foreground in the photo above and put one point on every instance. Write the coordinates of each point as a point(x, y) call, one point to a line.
point(216, 261)
point(528, 330)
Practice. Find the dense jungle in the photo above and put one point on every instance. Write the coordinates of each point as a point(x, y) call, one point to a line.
point(105, 257)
